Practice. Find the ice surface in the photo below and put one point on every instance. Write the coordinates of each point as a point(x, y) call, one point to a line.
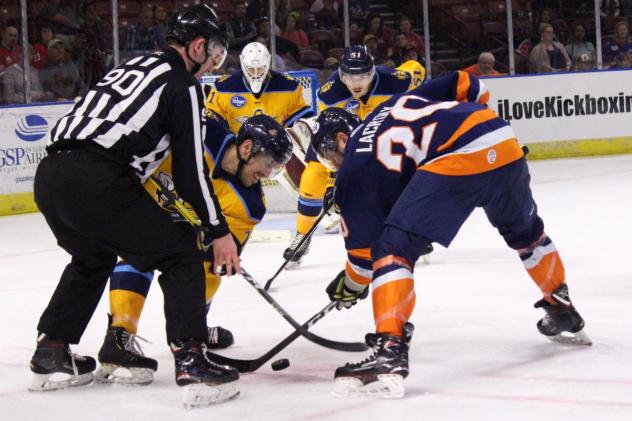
point(476, 354)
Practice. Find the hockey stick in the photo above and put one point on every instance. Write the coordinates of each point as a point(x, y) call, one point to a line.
point(186, 214)
point(245, 366)
point(296, 249)
point(338, 346)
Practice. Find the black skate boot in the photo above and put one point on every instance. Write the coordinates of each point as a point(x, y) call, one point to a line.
point(562, 323)
point(380, 375)
point(219, 338)
point(122, 359)
point(300, 252)
point(53, 356)
point(205, 381)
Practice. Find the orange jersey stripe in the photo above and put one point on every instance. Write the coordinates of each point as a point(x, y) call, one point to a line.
point(481, 161)
point(472, 120)
point(462, 86)
point(484, 99)
point(364, 254)
point(548, 274)
point(355, 276)
point(389, 260)
point(393, 303)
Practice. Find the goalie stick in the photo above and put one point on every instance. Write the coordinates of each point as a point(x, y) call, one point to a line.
point(186, 214)
point(246, 366)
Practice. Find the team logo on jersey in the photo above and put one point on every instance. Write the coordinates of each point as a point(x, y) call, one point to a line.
point(31, 128)
point(352, 106)
point(327, 86)
point(238, 101)
point(491, 156)
point(400, 75)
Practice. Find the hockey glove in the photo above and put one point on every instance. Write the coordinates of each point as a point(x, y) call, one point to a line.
point(328, 200)
point(204, 241)
point(340, 292)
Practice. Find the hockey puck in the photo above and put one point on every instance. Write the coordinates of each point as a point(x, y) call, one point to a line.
point(281, 364)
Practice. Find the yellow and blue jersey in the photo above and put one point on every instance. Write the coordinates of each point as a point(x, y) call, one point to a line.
point(386, 83)
point(281, 98)
point(243, 207)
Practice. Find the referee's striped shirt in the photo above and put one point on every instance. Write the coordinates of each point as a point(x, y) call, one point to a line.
point(140, 112)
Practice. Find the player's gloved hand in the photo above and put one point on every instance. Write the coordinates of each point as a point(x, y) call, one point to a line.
point(340, 292)
point(328, 200)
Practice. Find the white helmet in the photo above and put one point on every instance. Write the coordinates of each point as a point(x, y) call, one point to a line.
point(255, 63)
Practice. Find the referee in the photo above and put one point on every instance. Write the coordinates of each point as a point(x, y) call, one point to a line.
point(89, 190)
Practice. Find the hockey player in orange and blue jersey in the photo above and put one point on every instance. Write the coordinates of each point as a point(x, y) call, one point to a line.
point(411, 175)
point(358, 87)
point(236, 164)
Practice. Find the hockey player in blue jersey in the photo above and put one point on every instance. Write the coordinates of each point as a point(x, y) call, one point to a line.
point(410, 175)
point(359, 87)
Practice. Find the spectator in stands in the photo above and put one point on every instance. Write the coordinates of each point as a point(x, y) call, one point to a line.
point(358, 10)
point(13, 84)
point(414, 39)
point(484, 66)
point(545, 16)
point(286, 49)
point(548, 55)
point(63, 18)
point(582, 53)
point(293, 32)
point(398, 51)
point(375, 26)
point(9, 48)
point(161, 22)
point(378, 51)
point(240, 30)
point(610, 8)
point(622, 61)
point(91, 60)
point(142, 36)
point(96, 34)
point(60, 76)
point(621, 43)
point(40, 50)
point(256, 9)
point(327, 17)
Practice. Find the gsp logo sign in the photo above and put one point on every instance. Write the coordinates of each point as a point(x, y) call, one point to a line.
point(20, 157)
point(31, 128)
point(238, 101)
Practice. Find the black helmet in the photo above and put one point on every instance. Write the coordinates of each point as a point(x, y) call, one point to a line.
point(357, 59)
point(267, 136)
point(195, 21)
point(330, 122)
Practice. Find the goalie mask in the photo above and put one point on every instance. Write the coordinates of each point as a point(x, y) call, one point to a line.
point(271, 149)
point(255, 63)
point(357, 69)
point(329, 149)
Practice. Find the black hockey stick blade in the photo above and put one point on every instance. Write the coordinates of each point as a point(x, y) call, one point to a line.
point(328, 343)
point(247, 366)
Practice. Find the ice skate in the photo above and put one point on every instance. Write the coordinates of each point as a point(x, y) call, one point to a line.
point(122, 360)
point(55, 367)
point(562, 323)
point(382, 374)
point(300, 253)
point(204, 381)
point(219, 338)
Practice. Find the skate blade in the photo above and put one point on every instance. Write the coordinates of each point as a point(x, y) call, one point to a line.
point(569, 338)
point(112, 373)
point(200, 395)
point(387, 386)
point(47, 382)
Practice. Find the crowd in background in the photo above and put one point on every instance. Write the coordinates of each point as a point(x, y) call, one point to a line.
point(70, 41)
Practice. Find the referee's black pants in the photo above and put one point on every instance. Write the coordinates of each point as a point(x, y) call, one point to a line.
point(98, 210)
